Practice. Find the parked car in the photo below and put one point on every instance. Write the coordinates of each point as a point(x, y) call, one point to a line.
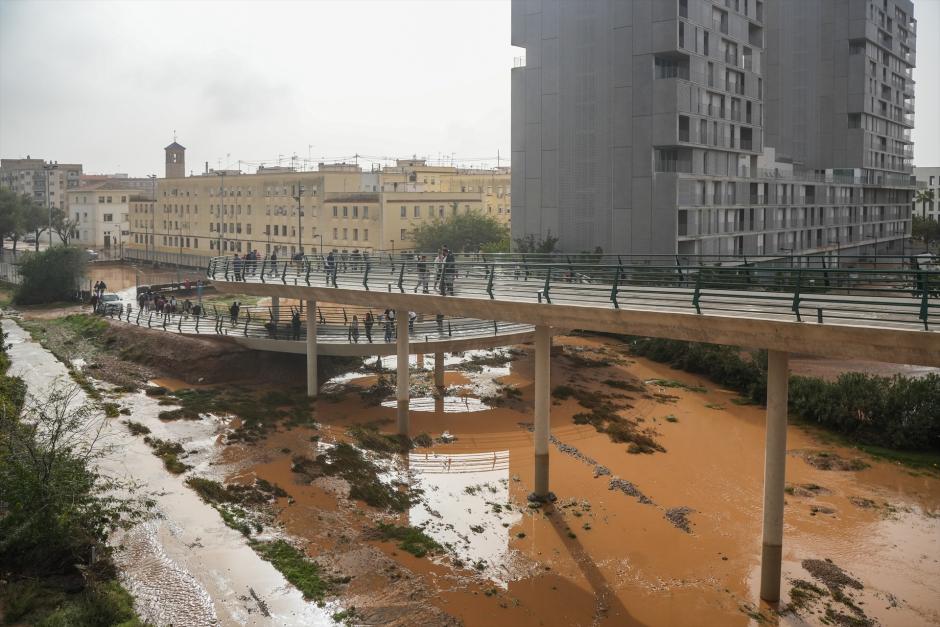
point(110, 303)
point(30, 239)
point(92, 254)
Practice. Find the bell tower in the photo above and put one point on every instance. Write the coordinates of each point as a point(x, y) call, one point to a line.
point(175, 160)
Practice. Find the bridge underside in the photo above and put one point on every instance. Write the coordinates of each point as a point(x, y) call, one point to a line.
point(873, 343)
point(365, 349)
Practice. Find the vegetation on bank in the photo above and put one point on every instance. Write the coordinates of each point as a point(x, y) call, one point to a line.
point(56, 511)
point(464, 232)
point(51, 275)
point(296, 567)
point(410, 539)
point(896, 412)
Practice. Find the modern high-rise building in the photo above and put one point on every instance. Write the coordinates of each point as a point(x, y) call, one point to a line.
point(714, 126)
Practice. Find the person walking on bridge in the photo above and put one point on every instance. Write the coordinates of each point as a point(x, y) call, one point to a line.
point(422, 266)
point(272, 261)
point(369, 321)
point(330, 267)
point(295, 325)
point(450, 272)
point(233, 312)
point(353, 334)
point(389, 324)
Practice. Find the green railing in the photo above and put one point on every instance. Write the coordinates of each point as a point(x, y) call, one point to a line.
point(899, 296)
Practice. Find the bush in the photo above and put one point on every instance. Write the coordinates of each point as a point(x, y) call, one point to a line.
point(50, 276)
point(897, 412)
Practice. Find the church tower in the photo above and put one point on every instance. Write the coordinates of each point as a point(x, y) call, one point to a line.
point(175, 161)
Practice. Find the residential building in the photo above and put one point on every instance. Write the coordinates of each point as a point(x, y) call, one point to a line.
point(45, 181)
point(145, 185)
point(928, 178)
point(101, 212)
point(339, 207)
point(714, 126)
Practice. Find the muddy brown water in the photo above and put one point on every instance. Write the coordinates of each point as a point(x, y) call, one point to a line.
point(598, 556)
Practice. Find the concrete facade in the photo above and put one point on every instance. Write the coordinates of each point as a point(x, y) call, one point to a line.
point(639, 127)
point(46, 182)
point(101, 214)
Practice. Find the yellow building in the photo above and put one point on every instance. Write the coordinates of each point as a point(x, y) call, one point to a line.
point(339, 207)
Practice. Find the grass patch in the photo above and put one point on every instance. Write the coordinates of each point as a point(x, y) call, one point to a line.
point(169, 452)
point(369, 438)
point(410, 539)
point(347, 462)
point(182, 413)
point(423, 440)
point(672, 383)
point(137, 428)
point(305, 574)
point(628, 386)
point(111, 410)
point(31, 602)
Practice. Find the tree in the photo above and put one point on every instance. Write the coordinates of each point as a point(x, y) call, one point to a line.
point(926, 229)
point(469, 232)
point(924, 196)
point(63, 226)
point(35, 217)
point(51, 275)
point(9, 214)
point(528, 243)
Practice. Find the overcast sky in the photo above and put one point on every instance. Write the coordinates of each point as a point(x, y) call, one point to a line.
point(106, 84)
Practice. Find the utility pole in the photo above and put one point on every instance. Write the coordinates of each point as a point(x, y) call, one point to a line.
point(300, 229)
point(49, 167)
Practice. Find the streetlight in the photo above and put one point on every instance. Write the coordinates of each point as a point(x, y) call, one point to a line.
point(320, 237)
point(218, 246)
point(300, 229)
point(149, 211)
point(49, 167)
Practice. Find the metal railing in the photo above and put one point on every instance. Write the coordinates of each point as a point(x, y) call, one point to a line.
point(333, 323)
point(782, 287)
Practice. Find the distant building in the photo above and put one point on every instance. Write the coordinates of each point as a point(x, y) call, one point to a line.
point(101, 211)
point(175, 161)
point(341, 208)
point(699, 127)
point(928, 178)
point(145, 184)
point(47, 182)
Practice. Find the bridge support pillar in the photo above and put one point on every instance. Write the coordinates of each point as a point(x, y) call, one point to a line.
point(420, 358)
point(439, 370)
point(775, 461)
point(543, 348)
point(401, 371)
point(311, 348)
point(276, 307)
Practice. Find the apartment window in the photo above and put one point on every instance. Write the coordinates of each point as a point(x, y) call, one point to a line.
point(684, 8)
point(682, 34)
point(101, 199)
point(335, 211)
point(248, 228)
point(355, 211)
point(404, 211)
point(109, 199)
point(417, 211)
point(123, 198)
point(705, 48)
point(335, 232)
point(365, 212)
point(683, 128)
point(345, 233)
point(365, 234)
point(403, 235)
point(355, 235)
point(671, 68)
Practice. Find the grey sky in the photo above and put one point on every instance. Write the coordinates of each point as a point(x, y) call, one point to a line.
point(107, 83)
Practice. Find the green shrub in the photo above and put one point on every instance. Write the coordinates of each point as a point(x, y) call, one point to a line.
point(51, 275)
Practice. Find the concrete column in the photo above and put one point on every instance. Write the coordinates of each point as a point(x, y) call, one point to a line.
point(775, 462)
point(312, 348)
point(543, 347)
point(439, 370)
point(420, 357)
point(401, 372)
point(276, 307)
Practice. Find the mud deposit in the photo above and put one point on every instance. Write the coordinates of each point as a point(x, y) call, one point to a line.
point(664, 534)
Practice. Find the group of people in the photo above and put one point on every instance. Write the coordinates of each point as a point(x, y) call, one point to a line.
point(97, 292)
point(445, 272)
point(247, 265)
point(157, 302)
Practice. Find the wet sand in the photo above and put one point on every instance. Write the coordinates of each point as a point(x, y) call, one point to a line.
point(630, 565)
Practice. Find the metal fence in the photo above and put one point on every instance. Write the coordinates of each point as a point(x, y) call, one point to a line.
point(887, 296)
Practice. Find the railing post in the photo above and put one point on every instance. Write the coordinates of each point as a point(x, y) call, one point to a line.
point(489, 283)
point(179, 326)
point(197, 324)
point(614, 289)
point(365, 277)
point(284, 274)
point(696, 296)
point(149, 321)
point(247, 320)
point(924, 307)
point(796, 295)
point(401, 278)
point(263, 264)
point(307, 278)
point(548, 282)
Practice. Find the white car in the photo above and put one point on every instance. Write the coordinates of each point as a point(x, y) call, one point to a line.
point(92, 255)
point(110, 303)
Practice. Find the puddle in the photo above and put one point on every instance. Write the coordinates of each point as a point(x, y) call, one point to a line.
point(447, 404)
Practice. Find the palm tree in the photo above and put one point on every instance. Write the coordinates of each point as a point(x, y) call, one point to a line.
point(923, 197)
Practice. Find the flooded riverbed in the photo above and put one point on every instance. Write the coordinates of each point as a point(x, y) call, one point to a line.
point(665, 538)
point(669, 538)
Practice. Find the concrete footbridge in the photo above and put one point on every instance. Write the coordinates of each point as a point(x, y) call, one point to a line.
point(882, 311)
point(271, 329)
